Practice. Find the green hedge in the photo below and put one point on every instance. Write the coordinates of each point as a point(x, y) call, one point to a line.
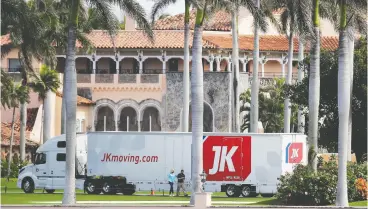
point(305, 187)
point(14, 167)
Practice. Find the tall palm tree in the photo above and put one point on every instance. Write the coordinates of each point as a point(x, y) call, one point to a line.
point(254, 114)
point(356, 23)
point(11, 96)
point(45, 83)
point(343, 106)
point(135, 10)
point(294, 21)
point(301, 117)
point(346, 13)
point(314, 83)
point(159, 6)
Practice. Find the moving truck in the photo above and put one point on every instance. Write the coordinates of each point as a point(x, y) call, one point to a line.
point(125, 162)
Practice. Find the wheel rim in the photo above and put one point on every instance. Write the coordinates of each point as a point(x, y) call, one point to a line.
point(230, 190)
point(27, 185)
point(246, 191)
point(106, 188)
point(91, 187)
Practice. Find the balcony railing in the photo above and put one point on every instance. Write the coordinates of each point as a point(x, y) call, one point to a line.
point(90, 80)
point(152, 71)
point(274, 75)
point(128, 71)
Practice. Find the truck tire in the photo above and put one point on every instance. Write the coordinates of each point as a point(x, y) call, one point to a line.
point(246, 191)
point(232, 191)
point(267, 195)
point(107, 188)
point(50, 191)
point(128, 193)
point(28, 185)
point(91, 188)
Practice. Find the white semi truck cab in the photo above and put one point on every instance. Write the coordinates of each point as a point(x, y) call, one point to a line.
point(126, 162)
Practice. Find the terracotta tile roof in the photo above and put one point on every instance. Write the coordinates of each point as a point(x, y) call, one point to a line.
point(80, 100)
point(6, 134)
point(266, 42)
point(175, 40)
point(5, 39)
point(220, 21)
point(137, 39)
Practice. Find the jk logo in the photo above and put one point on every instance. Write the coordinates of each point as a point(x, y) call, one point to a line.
point(295, 153)
point(222, 157)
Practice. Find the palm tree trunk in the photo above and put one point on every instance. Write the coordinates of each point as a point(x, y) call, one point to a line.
point(186, 90)
point(343, 98)
point(197, 102)
point(23, 123)
point(47, 109)
point(314, 86)
point(287, 105)
point(254, 108)
point(63, 116)
point(301, 118)
point(42, 118)
point(11, 145)
point(351, 71)
point(70, 96)
point(235, 55)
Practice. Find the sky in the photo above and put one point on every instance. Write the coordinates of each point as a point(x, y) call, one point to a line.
point(147, 5)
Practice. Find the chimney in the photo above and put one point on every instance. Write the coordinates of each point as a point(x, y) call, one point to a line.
point(130, 24)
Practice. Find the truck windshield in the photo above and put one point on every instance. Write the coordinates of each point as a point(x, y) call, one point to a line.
point(40, 158)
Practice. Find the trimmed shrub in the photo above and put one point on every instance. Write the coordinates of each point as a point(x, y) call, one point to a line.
point(306, 187)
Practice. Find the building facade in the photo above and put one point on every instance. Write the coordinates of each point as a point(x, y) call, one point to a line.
point(133, 84)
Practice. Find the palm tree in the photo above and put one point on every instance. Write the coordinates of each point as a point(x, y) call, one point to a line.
point(314, 83)
point(33, 36)
point(11, 96)
point(294, 21)
point(135, 10)
point(301, 117)
point(45, 83)
point(157, 7)
point(344, 97)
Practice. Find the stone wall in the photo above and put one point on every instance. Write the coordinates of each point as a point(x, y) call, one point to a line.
point(216, 95)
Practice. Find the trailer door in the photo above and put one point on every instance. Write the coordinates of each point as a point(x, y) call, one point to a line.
point(227, 158)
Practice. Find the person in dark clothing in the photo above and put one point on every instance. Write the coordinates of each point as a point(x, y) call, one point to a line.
point(181, 179)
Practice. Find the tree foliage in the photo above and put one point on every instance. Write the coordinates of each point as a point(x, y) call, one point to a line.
point(271, 108)
point(328, 109)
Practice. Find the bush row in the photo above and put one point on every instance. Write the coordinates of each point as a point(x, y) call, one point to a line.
point(306, 187)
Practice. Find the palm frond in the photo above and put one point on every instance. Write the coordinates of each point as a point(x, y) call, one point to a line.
point(137, 12)
point(159, 6)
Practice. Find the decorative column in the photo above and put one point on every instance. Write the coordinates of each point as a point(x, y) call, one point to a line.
point(245, 61)
point(140, 60)
point(94, 62)
point(211, 58)
point(163, 57)
point(116, 125)
point(284, 61)
point(117, 62)
point(229, 64)
point(263, 61)
point(218, 62)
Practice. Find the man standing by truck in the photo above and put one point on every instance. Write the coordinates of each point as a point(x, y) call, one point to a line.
point(181, 179)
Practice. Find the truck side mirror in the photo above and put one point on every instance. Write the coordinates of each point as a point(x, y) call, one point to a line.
point(33, 158)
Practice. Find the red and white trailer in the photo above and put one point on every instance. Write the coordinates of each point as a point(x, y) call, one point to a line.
point(238, 164)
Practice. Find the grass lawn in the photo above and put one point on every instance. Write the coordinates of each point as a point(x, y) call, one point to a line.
point(359, 203)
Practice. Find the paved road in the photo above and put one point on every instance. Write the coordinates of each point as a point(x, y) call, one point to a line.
point(157, 207)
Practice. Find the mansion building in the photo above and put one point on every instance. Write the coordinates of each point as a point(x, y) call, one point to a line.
point(139, 86)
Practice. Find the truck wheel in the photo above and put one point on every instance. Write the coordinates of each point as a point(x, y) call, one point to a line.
point(50, 191)
point(28, 185)
point(91, 188)
point(107, 188)
point(232, 191)
point(267, 195)
point(128, 193)
point(246, 191)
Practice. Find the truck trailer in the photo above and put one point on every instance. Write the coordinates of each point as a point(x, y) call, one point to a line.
point(125, 162)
